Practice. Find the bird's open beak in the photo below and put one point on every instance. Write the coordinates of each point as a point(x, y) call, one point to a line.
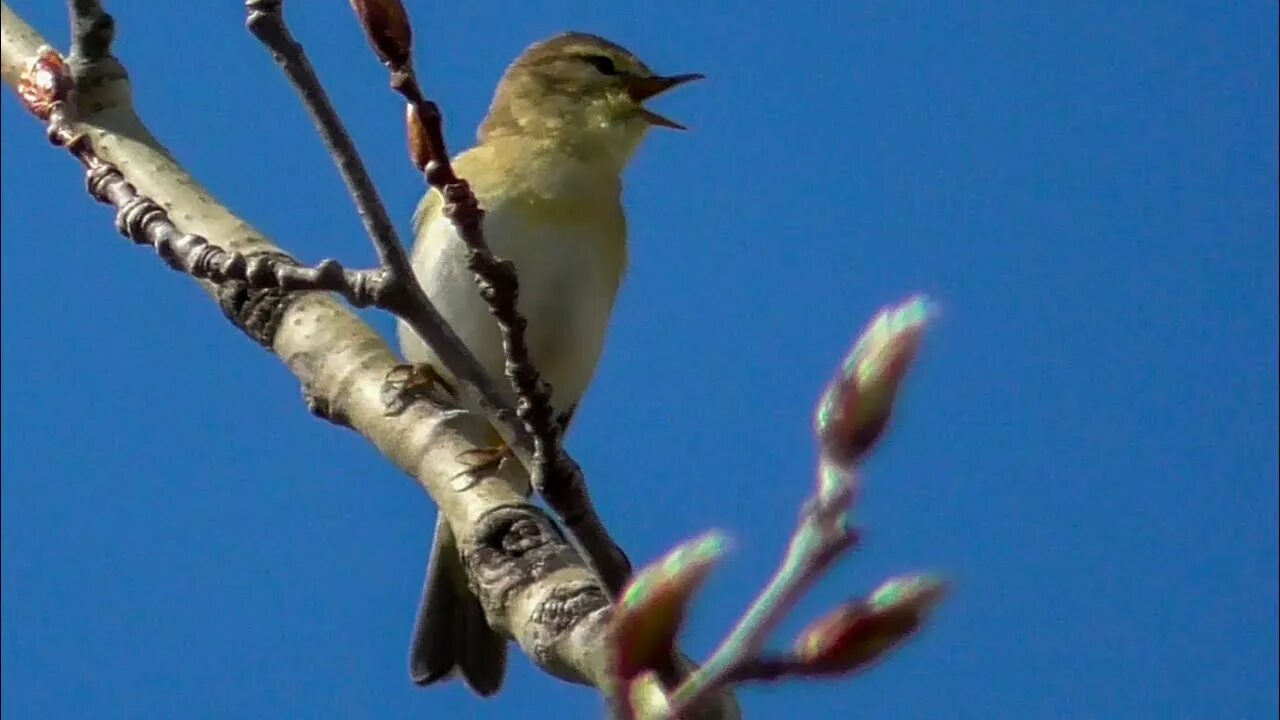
point(643, 88)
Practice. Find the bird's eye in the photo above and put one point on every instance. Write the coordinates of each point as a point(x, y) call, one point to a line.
point(603, 64)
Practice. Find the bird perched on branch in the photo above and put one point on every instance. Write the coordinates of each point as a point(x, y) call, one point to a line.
point(566, 118)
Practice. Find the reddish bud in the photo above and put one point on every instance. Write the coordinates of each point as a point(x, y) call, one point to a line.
point(855, 407)
point(861, 631)
point(419, 148)
point(653, 606)
point(45, 83)
point(386, 25)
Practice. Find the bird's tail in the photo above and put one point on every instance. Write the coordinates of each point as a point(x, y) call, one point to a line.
point(450, 631)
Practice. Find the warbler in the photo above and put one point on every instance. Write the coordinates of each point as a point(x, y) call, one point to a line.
point(566, 118)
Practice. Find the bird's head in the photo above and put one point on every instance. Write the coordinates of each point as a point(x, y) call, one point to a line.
point(580, 92)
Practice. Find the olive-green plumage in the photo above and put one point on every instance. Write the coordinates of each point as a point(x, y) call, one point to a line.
point(566, 118)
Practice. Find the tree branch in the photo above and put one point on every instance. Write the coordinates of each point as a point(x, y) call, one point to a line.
point(92, 30)
point(534, 585)
point(535, 439)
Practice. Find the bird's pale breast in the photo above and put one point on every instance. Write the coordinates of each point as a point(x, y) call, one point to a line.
point(569, 268)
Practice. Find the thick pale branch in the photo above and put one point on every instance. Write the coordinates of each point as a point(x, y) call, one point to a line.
point(532, 581)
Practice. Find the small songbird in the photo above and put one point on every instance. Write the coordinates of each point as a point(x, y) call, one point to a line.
point(566, 118)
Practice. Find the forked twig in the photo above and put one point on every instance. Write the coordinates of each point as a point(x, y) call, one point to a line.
point(535, 438)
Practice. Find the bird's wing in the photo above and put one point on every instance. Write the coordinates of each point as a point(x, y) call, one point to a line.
point(428, 208)
point(469, 164)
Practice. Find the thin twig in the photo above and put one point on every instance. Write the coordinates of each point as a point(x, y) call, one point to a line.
point(821, 537)
point(92, 30)
point(403, 295)
point(554, 474)
point(265, 21)
point(144, 221)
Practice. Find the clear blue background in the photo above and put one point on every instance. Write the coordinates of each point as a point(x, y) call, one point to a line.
point(1087, 446)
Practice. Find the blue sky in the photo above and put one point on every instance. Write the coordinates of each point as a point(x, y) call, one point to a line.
point(1087, 445)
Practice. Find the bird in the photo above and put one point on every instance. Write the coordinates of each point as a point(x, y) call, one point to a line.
point(567, 116)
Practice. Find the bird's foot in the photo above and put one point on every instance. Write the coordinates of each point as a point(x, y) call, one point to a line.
point(407, 383)
point(485, 460)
